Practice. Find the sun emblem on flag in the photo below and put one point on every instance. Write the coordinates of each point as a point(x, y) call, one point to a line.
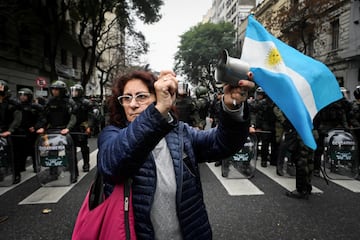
point(273, 58)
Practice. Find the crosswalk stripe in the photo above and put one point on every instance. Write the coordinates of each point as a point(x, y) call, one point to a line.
point(235, 187)
point(54, 194)
point(286, 182)
point(352, 185)
point(26, 175)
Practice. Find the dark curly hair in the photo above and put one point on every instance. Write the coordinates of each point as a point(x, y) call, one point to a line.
point(117, 115)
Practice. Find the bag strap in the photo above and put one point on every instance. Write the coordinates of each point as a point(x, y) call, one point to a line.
point(96, 194)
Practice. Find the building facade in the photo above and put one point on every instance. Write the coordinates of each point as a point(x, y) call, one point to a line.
point(336, 44)
point(29, 38)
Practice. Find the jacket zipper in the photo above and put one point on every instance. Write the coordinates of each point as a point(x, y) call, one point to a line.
point(126, 209)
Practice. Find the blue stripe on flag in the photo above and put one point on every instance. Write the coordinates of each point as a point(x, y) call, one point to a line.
point(286, 84)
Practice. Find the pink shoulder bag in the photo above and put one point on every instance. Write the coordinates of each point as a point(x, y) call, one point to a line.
point(110, 218)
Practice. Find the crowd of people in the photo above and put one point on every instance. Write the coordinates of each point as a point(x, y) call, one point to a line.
point(278, 139)
point(23, 118)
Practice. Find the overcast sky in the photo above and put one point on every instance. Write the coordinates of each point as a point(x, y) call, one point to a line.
point(178, 16)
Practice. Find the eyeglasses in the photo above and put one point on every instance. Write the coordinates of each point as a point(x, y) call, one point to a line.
point(140, 98)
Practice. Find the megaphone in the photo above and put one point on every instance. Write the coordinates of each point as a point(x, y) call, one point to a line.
point(230, 70)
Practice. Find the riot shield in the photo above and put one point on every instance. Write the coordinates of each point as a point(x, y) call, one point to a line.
point(7, 173)
point(340, 159)
point(55, 159)
point(243, 163)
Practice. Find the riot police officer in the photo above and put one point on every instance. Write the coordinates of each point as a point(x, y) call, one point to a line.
point(185, 105)
point(202, 104)
point(265, 122)
point(10, 119)
point(332, 116)
point(30, 115)
point(355, 116)
point(83, 123)
point(59, 113)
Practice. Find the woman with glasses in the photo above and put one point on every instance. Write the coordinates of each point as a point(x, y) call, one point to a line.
point(144, 141)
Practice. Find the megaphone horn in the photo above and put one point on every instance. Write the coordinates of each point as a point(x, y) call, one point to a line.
point(230, 70)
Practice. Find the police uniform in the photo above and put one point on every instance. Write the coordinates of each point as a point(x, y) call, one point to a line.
point(59, 113)
point(330, 117)
point(26, 131)
point(84, 123)
point(202, 104)
point(10, 119)
point(265, 121)
point(299, 154)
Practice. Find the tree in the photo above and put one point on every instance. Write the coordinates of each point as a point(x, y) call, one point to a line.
point(199, 50)
point(91, 15)
point(300, 22)
point(117, 59)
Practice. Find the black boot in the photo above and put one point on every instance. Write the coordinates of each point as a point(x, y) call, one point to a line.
point(279, 171)
point(86, 167)
point(17, 179)
point(86, 156)
point(298, 195)
point(74, 178)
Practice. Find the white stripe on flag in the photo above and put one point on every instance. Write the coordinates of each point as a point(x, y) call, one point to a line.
point(257, 59)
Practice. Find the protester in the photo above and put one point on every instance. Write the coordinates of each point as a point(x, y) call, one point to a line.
point(144, 141)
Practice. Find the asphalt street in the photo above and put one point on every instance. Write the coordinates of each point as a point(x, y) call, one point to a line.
point(255, 208)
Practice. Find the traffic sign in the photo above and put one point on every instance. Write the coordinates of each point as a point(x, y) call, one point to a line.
point(41, 82)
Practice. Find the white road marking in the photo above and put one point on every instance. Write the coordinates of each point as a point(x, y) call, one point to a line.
point(29, 173)
point(54, 194)
point(235, 187)
point(286, 182)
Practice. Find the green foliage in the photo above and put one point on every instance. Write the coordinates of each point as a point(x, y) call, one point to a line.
point(200, 48)
point(93, 31)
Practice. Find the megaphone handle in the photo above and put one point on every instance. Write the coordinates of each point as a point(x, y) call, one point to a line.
point(234, 102)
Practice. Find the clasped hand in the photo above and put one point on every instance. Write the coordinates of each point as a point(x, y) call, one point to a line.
point(166, 87)
point(165, 90)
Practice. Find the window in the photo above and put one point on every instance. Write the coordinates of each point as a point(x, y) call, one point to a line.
point(335, 32)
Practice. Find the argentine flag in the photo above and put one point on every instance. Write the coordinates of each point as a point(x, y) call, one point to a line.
point(299, 85)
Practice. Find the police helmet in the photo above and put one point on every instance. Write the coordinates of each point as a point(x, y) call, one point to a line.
point(259, 90)
point(26, 92)
point(59, 85)
point(201, 91)
point(357, 92)
point(77, 90)
point(4, 88)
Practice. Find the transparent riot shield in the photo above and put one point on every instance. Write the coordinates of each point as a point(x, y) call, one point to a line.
point(340, 159)
point(243, 163)
point(55, 159)
point(7, 173)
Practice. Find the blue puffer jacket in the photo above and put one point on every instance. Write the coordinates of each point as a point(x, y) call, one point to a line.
point(126, 153)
